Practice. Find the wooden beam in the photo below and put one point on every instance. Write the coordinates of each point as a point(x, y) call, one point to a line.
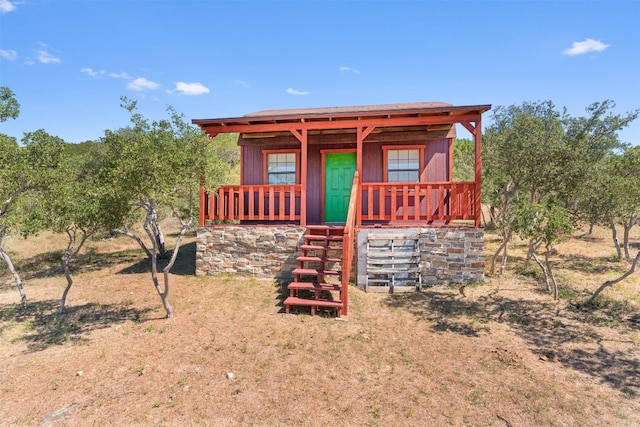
point(471, 128)
point(296, 127)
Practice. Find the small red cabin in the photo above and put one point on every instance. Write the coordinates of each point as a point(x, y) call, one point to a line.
point(335, 173)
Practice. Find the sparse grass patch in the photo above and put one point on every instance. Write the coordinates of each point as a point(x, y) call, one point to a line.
point(440, 357)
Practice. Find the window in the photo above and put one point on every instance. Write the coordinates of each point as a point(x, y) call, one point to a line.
point(403, 165)
point(281, 168)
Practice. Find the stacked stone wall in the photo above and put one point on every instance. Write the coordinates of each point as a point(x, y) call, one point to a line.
point(447, 254)
point(451, 255)
point(268, 252)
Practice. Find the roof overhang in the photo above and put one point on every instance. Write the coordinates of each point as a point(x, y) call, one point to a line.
point(391, 115)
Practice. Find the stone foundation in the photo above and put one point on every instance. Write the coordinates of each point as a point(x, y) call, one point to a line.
point(447, 254)
point(268, 252)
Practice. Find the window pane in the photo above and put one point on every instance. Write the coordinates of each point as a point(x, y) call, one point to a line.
point(403, 165)
point(281, 168)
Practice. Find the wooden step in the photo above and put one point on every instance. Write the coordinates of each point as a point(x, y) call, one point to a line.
point(314, 272)
point(320, 248)
point(321, 237)
point(313, 303)
point(317, 259)
point(325, 227)
point(309, 286)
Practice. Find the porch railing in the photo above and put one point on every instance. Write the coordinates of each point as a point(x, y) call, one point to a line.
point(418, 201)
point(251, 202)
point(348, 241)
point(379, 202)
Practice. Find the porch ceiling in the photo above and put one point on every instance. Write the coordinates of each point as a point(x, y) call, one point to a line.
point(389, 115)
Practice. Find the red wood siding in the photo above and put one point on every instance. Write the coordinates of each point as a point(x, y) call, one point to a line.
point(436, 160)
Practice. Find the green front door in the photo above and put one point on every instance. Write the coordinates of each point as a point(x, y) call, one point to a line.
point(338, 178)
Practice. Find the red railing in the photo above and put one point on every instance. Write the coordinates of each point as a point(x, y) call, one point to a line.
point(348, 240)
point(418, 201)
point(251, 202)
point(379, 202)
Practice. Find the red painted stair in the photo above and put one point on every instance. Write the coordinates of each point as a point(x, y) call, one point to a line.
point(319, 262)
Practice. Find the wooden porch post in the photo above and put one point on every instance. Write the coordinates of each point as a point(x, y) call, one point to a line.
point(202, 202)
point(302, 137)
point(478, 177)
point(362, 133)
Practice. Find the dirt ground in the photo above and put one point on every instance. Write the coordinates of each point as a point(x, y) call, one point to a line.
point(500, 353)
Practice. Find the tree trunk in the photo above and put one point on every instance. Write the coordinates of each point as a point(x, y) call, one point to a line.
point(159, 235)
point(544, 271)
point(126, 232)
point(167, 268)
point(154, 231)
point(619, 279)
point(492, 264)
point(67, 274)
point(67, 256)
point(16, 277)
point(553, 278)
point(163, 293)
point(505, 257)
point(625, 240)
point(616, 242)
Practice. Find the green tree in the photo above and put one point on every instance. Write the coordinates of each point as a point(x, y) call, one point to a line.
point(519, 148)
point(24, 169)
point(537, 162)
point(9, 106)
point(463, 159)
point(77, 204)
point(543, 226)
point(158, 168)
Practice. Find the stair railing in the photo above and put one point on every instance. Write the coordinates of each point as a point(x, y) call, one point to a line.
point(348, 240)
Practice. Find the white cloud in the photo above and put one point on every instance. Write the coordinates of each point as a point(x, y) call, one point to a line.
point(9, 55)
point(344, 69)
point(191, 88)
point(292, 91)
point(92, 72)
point(44, 57)
point(120, 76)
point(6, 6)
point(586, 46)
point(141, 84)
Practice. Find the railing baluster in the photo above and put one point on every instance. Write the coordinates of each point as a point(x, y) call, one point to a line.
point(261, 203)
point(280, 192)
point(405, 202)
point(416, 202)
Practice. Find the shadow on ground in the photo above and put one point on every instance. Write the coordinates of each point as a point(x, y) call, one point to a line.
point(567, 336)
point(185, 264)
point(45, 328)
point(48, 264)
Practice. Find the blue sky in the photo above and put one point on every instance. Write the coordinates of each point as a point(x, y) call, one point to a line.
point(70, 61)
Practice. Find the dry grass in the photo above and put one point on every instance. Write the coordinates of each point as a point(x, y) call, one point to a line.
point(503, 353)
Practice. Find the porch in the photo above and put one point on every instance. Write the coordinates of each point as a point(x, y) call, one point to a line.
point(381, 203)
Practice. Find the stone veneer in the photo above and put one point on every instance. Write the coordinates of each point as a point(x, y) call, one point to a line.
point(447, 254)
point(262, 251)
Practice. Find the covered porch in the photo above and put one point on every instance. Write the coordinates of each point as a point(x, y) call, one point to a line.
point(366, 135)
